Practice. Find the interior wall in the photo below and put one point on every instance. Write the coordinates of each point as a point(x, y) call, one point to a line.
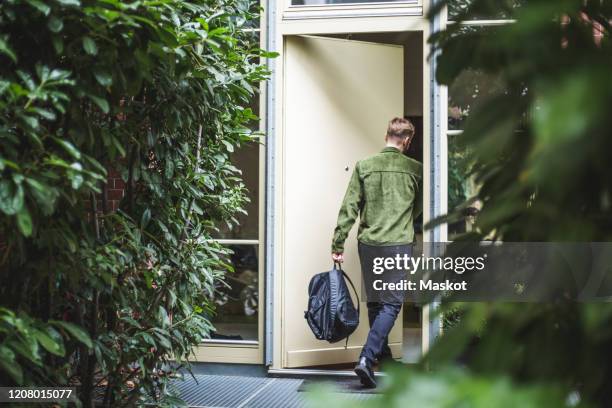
point(412, 41)
point(413, 75)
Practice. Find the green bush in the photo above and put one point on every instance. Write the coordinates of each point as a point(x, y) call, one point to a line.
point(155, 91)
point(539, 150)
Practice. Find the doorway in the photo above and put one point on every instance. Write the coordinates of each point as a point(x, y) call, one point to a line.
point(339, 93)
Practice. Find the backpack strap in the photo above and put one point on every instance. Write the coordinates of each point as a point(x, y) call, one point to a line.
point(356, 297)
point(354, 290)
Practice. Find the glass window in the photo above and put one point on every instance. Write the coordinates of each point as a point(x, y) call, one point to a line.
point(466, 91)
point(320, 2)
point(461, 186)
point(236, 314)
point(488, 10)
point(246, 158)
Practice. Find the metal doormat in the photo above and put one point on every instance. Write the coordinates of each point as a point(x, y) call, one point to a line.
point(341, 385)
point(223, 391)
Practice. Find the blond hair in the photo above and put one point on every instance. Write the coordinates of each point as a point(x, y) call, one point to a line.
point(400, 128)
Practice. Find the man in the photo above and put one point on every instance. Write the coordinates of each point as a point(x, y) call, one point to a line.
point(385, 192)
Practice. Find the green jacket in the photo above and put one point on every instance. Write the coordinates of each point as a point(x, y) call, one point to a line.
point(385, 191)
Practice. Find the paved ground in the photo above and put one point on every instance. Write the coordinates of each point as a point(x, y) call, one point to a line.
point(225, 391)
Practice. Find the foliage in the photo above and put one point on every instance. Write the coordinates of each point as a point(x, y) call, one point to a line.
point(539, 151)
point(405, 388)
point(538, 140)
point(155, 92)
point(457, 189)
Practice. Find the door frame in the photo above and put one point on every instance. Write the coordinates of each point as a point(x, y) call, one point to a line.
point(434, 154)
point(311, 61)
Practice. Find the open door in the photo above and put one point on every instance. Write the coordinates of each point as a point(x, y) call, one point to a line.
point(339, 96)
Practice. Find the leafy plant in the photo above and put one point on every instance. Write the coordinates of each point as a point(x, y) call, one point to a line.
point(537, 147)
point(450, 388)
point(539, 150)
point(151, 95)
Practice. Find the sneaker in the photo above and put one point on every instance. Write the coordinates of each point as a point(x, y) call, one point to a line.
point(364, 371)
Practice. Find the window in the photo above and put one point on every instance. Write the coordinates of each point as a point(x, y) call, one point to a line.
point(469, 89)
point(461, 186)
point(246, 159)
point(487, 11)
point(237, 302)
point(324, 9)
point(236, 315)
point(323, 2)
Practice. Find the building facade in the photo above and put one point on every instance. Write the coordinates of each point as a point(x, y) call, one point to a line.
point(344, 69)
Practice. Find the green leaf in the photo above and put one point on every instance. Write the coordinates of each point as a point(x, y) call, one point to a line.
point(44, 195)
point(163, 316)
point(9, 365)
point(75, 331)
point(146, 217)
point(118, 146)
point(558, 117)
point(31, 122)
point(24, 222)
point(40, 6)
point(69, 2)
point(169, 170)
point(163, 340)
point(58, 44)
point(228, 146)
point(89, 45)
point(76, 176)
point(217, 31)
point(27, 347)
point(11, 197)
point(50, 341)
point(46, 114)
point(69, 147)
point(6, 50)
point(55, 24)
point(103, 76)
point(100, 102)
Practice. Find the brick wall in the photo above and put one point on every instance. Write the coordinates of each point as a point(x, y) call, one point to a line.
point(115, 189)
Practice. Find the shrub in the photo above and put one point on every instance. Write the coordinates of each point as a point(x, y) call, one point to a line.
point(154, 91)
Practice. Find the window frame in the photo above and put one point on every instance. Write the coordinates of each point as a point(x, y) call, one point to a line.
point(351, 10)
point(469, 23)
point(246, 351)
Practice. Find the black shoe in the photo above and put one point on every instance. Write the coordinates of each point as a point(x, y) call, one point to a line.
point(364, 371)
point(385, 357)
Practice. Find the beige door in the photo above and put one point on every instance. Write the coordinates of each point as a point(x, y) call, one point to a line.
point(339, 96)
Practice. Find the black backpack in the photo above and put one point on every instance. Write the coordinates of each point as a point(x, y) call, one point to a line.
point(331, 313)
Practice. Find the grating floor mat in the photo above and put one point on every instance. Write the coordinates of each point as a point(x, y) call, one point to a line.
point(221, 391)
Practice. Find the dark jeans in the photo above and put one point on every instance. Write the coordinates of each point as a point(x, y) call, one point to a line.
point(382, 318)
point(382, 312)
